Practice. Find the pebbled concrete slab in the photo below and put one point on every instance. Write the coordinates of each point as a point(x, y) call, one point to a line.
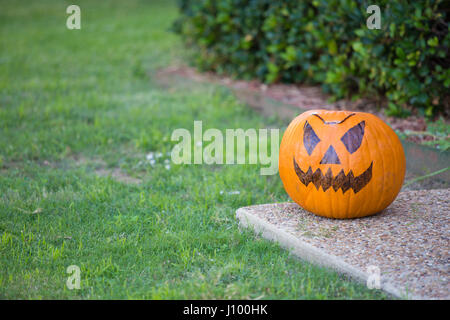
point(408, 242)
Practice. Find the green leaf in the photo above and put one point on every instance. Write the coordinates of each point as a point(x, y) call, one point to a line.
point(332, 47)
point(433, 42)
point(392, 29)
point(358, 47)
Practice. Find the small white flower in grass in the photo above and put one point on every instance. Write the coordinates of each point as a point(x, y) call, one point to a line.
point(150, 156)
point(167, 166)
point(230, 192)
point(152, 162)
point(158, 155)
point(167, 161)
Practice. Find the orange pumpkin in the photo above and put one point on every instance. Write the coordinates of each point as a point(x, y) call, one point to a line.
point(341, 164)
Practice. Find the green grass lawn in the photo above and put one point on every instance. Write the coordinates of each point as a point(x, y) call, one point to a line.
point(75, 102)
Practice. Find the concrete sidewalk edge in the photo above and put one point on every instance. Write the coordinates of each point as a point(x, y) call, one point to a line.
point(310, 253)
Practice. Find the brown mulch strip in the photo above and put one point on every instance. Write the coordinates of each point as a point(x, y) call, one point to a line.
point(299, 96)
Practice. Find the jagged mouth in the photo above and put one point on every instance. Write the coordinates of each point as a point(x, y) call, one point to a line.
point(340, 181)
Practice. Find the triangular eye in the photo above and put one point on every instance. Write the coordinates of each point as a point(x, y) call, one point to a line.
point(310, 138)
point(352, 138)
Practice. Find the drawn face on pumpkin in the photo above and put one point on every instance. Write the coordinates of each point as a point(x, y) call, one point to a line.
point(341, 164)
point(351, 140)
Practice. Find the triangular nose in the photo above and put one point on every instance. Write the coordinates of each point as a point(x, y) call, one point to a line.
point(330, 157)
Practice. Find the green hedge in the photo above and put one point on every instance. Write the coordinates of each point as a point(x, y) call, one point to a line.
point(328, 43)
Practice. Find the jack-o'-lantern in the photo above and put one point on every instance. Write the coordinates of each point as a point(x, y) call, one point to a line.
point(341, 164)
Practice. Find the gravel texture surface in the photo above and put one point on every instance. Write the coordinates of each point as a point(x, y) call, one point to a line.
point(409, 241)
